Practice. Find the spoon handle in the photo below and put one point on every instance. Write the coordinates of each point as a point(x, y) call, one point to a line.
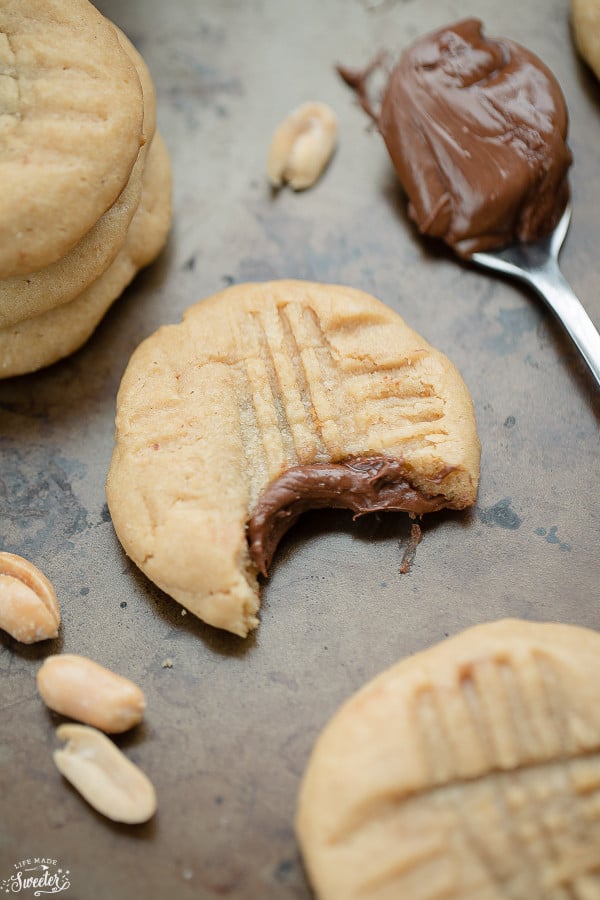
point(554, 289)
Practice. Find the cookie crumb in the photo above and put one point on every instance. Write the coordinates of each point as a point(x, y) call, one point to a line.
point(167, 663)
point(408, 557)
point(184, 612)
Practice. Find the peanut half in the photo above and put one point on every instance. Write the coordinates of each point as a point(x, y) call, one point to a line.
point(81, 689)
point(29, 610)
point(302, 146)
point(104, 776)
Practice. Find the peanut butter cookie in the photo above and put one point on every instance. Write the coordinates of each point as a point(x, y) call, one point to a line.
point(470, 770)
point(72, 113)
point(269, 399)
point(41, 340)
point(25, 296)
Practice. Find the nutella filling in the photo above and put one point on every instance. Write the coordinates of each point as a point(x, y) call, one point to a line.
point(361, 484)
point(476, 129)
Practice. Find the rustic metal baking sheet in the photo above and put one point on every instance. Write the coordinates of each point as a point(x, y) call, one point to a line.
point(230, 725)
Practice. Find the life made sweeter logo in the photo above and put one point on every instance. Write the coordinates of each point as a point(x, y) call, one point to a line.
point(38, 876)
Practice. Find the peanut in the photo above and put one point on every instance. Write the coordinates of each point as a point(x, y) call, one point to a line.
point(302, 146)
point(81, 689)
point(104, 776)
point(29, 610)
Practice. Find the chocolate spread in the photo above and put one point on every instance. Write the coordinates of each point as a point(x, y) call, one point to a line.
point(476, 130)
point(361, 484)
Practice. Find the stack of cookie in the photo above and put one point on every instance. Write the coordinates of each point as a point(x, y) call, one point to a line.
point(86, 179)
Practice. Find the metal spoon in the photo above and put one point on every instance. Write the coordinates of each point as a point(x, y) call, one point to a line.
point(536, 264)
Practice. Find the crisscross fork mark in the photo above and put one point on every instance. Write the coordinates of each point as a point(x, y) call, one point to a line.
point(12, 73)
point(332, 412)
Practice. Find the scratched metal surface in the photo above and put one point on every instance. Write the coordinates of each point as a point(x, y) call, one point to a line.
point(229, 727)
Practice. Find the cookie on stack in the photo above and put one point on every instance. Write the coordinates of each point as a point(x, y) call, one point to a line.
point(585, 18)
point(86, 177)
